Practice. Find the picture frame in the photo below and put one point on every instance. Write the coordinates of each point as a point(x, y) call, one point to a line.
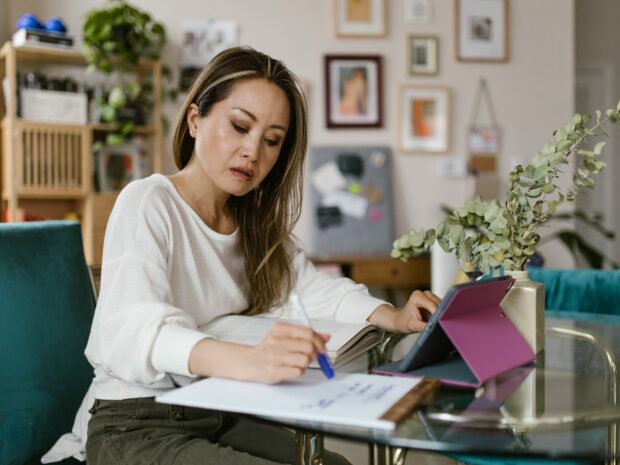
point(481, 30)
point(202, 39)
point(418, 11)
point(425, 119)
point(117, 166)
point(360, 18)
point(423, 55)
point(353, 88)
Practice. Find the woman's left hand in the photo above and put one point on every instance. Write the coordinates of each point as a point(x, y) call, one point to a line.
point(413, 316)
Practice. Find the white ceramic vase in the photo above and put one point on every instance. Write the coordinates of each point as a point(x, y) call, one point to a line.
point(525, 306)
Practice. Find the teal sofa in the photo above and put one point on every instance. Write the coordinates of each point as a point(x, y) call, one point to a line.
point(46, 308)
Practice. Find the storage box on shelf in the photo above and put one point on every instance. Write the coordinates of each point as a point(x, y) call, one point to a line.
point(46, 168)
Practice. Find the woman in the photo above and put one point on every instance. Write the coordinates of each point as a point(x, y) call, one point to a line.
point(212, 239)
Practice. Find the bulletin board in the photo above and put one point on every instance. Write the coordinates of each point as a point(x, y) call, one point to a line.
point(351, 201)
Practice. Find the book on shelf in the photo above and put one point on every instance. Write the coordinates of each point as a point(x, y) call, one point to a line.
point(40, 38)
point(348, 340)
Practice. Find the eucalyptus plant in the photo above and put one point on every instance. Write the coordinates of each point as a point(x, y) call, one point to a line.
point(489, 234)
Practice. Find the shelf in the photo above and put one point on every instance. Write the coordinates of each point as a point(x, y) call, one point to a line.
point(47, 166)
point(57, 56)
point(106, 195)
point(136, 130)
point(44, 125)
point(49, 194)
point(94, 127)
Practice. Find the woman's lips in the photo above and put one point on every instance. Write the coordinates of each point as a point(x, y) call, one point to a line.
point(246, 175)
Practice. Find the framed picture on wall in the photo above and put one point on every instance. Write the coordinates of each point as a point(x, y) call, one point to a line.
point(360, 18)
point(425, 119)
point(423, 55)
point(481, 30)
point(353, 91)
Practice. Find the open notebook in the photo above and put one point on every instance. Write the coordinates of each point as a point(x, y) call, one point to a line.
point(348, 340)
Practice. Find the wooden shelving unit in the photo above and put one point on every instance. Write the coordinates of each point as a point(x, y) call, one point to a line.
point(47, 168)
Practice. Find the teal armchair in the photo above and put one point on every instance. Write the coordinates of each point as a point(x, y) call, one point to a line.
point(46, 308)
point(591, 293)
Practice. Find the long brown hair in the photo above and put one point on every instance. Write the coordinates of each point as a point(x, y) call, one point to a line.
point(266, 215)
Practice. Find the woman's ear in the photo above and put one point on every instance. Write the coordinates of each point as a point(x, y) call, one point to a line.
point(192, 118)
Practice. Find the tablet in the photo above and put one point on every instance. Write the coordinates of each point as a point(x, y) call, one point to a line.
point(468, 340)
point(433, 344)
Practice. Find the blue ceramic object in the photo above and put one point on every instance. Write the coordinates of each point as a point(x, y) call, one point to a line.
point(55, 24)
point(29, 21)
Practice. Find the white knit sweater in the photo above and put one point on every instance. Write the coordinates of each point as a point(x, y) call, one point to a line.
point(165, 274)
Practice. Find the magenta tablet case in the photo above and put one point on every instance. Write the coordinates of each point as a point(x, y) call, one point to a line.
point(487, 342)
point(485, 338)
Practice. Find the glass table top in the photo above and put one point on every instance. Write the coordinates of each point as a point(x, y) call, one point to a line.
point(564, 406)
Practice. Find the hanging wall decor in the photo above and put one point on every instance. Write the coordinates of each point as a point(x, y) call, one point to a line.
point(202, 40)
point(425, 119)
point(360, 18)
point(481, 30)
point(353, 91)
point(483, 139)
point(423, 55)
point(418, 11)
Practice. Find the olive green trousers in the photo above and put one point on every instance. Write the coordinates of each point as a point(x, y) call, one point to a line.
point(141, 431)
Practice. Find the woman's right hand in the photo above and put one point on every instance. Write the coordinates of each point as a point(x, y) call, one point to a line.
point(285, 352)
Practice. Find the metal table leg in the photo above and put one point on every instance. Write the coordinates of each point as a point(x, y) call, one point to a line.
point(611, 437)
point(379, 454)
point(309, 448)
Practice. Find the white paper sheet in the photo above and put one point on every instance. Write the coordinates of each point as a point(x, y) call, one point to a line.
point(349, 204)
point(348, 399)
point(328, 179)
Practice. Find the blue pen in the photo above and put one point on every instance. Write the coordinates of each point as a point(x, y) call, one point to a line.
point(324, 363)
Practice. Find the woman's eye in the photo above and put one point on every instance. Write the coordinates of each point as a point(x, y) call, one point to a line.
point(239, 129)
point(272, 142)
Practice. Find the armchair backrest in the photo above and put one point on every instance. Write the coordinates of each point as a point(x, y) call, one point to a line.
point(581, 290)
point(46, 309)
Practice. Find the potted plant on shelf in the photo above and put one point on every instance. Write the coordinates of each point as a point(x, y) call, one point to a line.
point(487, 235)
point(115, 39)
point(119, 35)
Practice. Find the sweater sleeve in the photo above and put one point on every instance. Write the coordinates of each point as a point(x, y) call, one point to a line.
point(326, 297)
point(138, 334)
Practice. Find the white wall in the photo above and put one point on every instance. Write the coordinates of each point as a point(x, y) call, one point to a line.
point(597, 37)
point(5, 28)
point(532, 93)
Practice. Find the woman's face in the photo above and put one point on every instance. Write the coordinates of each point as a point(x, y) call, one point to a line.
point(239, 141)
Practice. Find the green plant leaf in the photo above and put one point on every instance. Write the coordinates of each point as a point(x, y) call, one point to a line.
point(598, 148)
point(114, 140)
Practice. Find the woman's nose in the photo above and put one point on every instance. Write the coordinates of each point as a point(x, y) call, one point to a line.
point(250, 149)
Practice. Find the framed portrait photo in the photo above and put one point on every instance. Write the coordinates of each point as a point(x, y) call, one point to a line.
point(353, 91)
point(481, 30)
point(423, 55)
point(360, 18)
point(425, 119)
